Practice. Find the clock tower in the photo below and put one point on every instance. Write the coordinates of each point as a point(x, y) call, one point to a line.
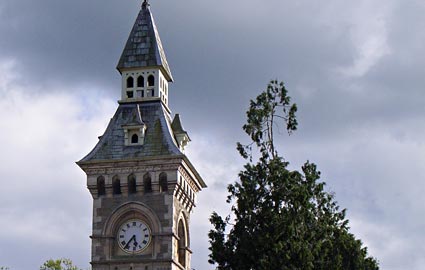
point(143, 185)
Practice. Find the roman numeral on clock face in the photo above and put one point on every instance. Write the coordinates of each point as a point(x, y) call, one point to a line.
point(133, 236)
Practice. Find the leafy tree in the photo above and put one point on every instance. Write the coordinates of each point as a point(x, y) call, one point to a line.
point(59, 264)
point(282, 219)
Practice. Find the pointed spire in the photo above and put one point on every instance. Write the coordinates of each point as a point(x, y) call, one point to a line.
point(144, 47)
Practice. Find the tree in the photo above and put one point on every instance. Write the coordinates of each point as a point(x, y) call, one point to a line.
point(281, 219)
point(59, 264)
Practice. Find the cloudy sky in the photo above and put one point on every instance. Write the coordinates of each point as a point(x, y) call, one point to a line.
point(356, 69)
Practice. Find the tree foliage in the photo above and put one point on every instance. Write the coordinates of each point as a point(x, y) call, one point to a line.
point(59, 264)
point(282, 219)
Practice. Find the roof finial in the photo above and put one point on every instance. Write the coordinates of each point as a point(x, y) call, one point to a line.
point(145, 4)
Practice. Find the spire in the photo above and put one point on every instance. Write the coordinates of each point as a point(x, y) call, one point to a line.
point(144, 47)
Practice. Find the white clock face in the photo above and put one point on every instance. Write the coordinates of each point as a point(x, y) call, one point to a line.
point(134, 236)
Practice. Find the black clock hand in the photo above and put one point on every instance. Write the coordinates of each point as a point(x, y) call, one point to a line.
point(133, 237)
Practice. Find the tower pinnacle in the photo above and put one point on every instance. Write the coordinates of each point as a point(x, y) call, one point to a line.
point(143, 65)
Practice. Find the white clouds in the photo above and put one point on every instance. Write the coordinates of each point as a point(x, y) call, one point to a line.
point(367, 26)
point(219, 164)
point(379, 179)
point(44, 202)
point(377, 176)
point(362, 122)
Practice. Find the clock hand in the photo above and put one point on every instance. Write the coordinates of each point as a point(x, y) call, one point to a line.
point(133, 237)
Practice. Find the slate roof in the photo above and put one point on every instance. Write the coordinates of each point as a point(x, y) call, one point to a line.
point(144, 47)
point(159, 140)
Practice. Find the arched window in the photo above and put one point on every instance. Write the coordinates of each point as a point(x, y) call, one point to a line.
point(163, 183)
point(151, 80)
point(131, 184)
point(182, 243)
point(140, 81)
point(147, 183)
point(101, 186)
point(130, 82)
point(116, 185)
point(134, 138)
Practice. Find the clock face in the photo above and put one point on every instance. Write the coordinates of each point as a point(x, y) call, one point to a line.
point(134, 236)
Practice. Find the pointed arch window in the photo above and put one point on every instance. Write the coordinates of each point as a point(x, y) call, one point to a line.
point(163, 183)
point(131, 184)
point(140, 81)
point(130, 82)
point(147, 183)
point(100, 184)
point(182, 244)
point(116, 185)
point(151, 80)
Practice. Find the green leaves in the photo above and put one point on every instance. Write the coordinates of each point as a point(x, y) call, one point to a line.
point(274, 103)
point(59, 264)
point(282, 219)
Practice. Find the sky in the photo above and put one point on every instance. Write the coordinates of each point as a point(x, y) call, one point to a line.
point(356, 70)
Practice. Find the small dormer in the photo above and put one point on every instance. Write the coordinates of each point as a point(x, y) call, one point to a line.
point(181, 136)
point(133, 126)
point(143, 65)
point(134, 135)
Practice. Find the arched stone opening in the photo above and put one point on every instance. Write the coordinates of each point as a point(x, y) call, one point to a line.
point(163, 183)
point(151, 80)
point(100, 185)
point(130, 82)
point(116, 185)
point(182, 243)
point(140, 81)
point(131, 184)
point(147, 183)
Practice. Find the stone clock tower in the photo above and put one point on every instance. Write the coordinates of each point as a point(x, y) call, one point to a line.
point(143, 185)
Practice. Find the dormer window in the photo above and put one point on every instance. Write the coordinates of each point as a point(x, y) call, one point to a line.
point(151, 80)
point(134, 139)
point(130, 82)
point(134, 135)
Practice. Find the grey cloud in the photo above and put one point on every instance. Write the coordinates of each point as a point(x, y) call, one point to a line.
point(223, 53)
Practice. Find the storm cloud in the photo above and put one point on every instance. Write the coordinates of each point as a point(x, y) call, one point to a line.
point(354, 68)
